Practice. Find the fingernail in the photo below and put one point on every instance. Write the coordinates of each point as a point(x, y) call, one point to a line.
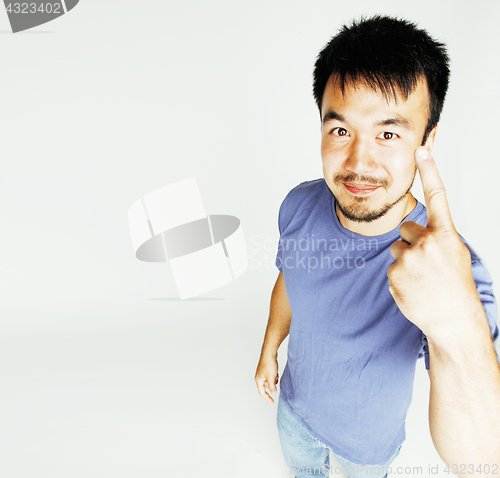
point(422, 152)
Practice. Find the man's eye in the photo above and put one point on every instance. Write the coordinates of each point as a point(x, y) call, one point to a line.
point(339, 132)
point(387, 135)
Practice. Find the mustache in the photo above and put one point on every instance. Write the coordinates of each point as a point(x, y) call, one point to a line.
point(359, 178)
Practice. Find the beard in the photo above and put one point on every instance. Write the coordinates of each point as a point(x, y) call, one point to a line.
point(359, 210)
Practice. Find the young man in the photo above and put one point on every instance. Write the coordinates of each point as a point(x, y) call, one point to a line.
point(357, 320)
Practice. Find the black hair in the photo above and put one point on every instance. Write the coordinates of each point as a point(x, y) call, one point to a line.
point(389, 54)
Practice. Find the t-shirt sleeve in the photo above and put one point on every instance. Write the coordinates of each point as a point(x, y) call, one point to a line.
point(287, 207)
point(294, 210)
point(484, 285)
point(425, 351)
point(279, 255)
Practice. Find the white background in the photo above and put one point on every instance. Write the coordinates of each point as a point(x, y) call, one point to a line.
point(103, 371)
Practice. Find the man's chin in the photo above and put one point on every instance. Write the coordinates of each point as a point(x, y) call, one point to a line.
point(360, 210)
point(362, 214)
point(363, 209)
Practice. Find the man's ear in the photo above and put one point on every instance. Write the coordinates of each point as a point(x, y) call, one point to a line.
point(429, 143)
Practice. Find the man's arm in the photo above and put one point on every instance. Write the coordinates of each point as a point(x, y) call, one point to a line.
point(464, 408)
point(278, 326)
point(433, 286)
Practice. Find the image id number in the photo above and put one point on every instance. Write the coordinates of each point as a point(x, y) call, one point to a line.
point(34, 8)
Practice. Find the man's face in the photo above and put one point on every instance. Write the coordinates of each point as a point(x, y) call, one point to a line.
point(368, 145)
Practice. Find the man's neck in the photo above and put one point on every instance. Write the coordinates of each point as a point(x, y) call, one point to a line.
point(386, 223)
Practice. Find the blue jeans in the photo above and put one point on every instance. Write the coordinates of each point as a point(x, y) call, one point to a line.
point(306, 456)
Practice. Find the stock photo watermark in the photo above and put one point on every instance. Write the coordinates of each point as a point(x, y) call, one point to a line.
point(26, 15)
point(430, 469)
point(310, 253)
point(205, 251)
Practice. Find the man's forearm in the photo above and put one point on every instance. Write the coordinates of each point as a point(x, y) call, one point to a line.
point(280, 316)
point(464, 409)
point(278, 326)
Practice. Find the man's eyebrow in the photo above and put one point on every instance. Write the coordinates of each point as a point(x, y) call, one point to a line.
point(396, 121)
point(333, 115)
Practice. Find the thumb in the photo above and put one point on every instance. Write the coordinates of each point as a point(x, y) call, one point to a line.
point(272, 383)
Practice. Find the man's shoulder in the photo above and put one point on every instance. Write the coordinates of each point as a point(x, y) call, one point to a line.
point(299, 202)
point(306, 190)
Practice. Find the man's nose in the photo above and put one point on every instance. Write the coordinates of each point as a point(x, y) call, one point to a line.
point(360, 159)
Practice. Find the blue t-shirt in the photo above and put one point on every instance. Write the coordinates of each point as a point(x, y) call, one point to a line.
point(351, 352)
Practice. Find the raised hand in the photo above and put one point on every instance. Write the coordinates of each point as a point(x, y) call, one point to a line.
point(431, 280)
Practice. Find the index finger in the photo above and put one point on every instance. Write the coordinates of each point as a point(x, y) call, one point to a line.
point(438, 211)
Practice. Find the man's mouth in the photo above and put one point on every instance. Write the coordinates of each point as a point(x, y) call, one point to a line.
point(360, 189)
